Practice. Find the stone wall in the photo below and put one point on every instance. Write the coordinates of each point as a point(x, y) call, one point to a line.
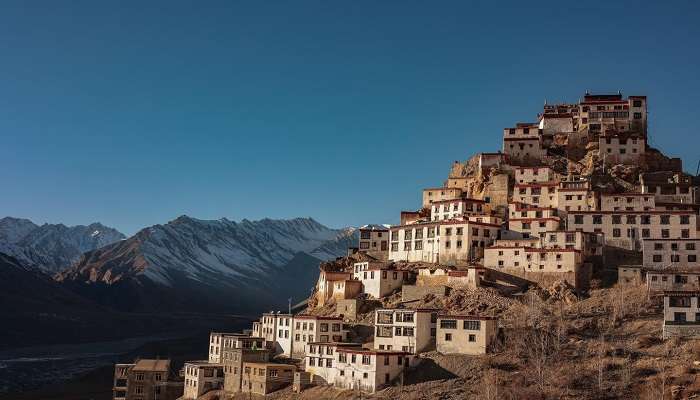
point(581, 279)
point(497, 190)
point(348, 307)
point(412, 292)
point(681, 330)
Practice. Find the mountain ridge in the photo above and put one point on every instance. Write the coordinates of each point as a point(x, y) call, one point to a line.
point(52, 247)
point(210, 259)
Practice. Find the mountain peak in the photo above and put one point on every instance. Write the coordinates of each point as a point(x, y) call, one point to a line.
point(51, 247)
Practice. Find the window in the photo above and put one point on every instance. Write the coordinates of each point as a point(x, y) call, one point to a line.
point(404, 317)
point(665, 219)
point(685, 219)
point(679, 301)
point(472, 338)
point(578, 219)
point(616, 232)
point(365, 360)
point(685, 233)
point(472, 325)
point(680, 279)
point(665, 233)
point(616, 219)
point(646, 233)
point(448, 337)
point(448, 324)
point(597, 219)
point(631, 219)
point(690, 246)
point(692, 258)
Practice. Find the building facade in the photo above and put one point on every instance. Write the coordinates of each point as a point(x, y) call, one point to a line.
point(670, 253)
point(465, 334)
point(145, 380)
point(627, 229)
point(262, 378)
point(681, 314)
point(313, 328)
point(374, 240)
point(407, 330)
point(369, 370)
point(202, 377)
point(233, 359)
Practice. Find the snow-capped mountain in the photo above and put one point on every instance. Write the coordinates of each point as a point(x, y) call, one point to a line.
point(52, 247)
point(262, 261)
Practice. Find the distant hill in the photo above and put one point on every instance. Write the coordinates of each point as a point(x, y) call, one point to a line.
point(52, 247)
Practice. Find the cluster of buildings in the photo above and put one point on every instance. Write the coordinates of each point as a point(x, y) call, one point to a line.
point(534, 223)
point(300, 350)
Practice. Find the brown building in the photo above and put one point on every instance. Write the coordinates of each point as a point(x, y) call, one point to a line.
point(374, 240)
point(600, 113)
point(465, 334)
point(202, 377)
point(670, 187)
point(145, 380)
point(233, 360)
point(673, 279)
point(523, 144)
point(264, 377)
point(681, 314)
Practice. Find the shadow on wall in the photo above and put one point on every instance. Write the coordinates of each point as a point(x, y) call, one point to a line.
point(427, 370)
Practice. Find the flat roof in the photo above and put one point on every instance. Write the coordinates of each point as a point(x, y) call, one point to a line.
point(152, 365)
point(318, 317)
point(340, 344)
point(374, 352)
point(269, 365)
point(681, 292)
point(670, 212)
point(466, 316)
point(203, 363)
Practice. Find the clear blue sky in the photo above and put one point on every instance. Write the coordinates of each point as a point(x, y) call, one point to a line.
point(132, 113)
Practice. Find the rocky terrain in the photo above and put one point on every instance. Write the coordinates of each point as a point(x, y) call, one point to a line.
point(603, 346)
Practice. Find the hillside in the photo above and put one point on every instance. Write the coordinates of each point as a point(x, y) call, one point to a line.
point(34, 304)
